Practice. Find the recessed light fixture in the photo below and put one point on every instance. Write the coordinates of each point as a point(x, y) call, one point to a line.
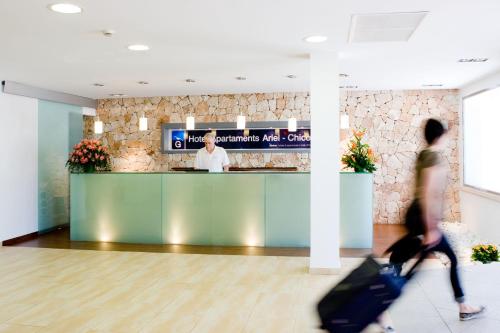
point(240, 78)
point(190, 80)
point(65, 8)
point(343, 75)
point(108, 33)
point(348, 87)
point(143, 82)
point(138, 47)
point(473, 60)
point(98, 85)
point(316, 39)
point(117, 95)
point(291, 76)
point(433, 85)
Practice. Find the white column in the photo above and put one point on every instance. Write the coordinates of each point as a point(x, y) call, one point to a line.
point(325, 165)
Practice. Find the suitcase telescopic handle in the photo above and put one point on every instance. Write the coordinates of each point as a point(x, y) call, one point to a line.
point(422, 255)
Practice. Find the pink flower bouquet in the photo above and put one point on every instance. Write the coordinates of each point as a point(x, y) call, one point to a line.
point(89, 156)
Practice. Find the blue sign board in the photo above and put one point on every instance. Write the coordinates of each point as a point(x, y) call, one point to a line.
point(251, 139)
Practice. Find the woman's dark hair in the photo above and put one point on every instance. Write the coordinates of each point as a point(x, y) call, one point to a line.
point(434, 129)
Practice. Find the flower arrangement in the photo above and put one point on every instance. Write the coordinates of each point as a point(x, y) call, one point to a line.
point(89, 156)
point(485, 253)
point(359, 156)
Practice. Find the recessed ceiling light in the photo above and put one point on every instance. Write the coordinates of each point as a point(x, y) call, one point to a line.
point(138, 47)
point(65, 8)
point(108, 33)
point(473, 60)
point(433, 85)
point(348, 87)
point(143, 82)
point(190, 81)
point(343, 75)
point(117, 95)
point(98, 85)
point(316, 39)
point(240, 78)
point(291, 76)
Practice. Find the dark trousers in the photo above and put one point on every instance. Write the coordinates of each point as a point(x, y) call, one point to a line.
point(444, 247)
point(410, 245)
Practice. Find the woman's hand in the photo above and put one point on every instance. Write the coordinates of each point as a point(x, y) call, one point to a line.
point(432, 238)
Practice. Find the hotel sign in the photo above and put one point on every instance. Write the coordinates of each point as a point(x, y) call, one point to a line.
point(277, 139)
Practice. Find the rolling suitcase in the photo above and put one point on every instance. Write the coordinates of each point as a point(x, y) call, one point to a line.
point(361, 297)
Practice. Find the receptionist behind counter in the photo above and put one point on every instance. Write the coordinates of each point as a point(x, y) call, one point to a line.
point(211, 157)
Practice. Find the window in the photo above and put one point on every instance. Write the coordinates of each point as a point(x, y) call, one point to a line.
point(481, 135)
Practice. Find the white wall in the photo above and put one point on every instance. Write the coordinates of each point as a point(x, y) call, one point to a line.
point(480, 211)
point(481, 214)
point(487, 82)
point(18, 166)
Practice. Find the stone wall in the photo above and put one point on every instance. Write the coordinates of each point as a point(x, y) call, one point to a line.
point(393, 121)
point(394, 124)
point(133, 150)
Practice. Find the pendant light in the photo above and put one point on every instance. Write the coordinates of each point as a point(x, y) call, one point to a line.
point(98, 126)
point(143, 123)
point(241, 122)
point(292, 124)
point(190, 122)
point(344, 121)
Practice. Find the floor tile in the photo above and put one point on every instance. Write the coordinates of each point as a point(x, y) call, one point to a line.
point(51, 291)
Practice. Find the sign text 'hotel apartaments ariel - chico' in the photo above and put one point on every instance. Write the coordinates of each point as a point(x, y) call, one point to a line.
point(247, 140)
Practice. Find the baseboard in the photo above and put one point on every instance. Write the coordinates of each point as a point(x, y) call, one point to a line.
point(324, 271)
point(33, 235)
point(20, 239)
point(57, 227)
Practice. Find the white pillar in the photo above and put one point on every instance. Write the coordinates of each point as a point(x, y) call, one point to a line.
point(325, 165)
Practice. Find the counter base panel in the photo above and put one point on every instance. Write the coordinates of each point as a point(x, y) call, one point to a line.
point(269, 210)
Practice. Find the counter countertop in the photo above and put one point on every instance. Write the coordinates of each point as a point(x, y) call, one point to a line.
point(192, 172)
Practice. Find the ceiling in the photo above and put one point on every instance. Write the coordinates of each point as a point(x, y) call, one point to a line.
point(214, 41)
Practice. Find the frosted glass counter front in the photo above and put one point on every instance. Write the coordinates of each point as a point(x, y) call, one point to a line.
point(238, 209)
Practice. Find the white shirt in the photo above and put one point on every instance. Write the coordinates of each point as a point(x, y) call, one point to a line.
point(214, 161)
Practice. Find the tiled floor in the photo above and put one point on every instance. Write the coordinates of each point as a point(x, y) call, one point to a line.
point(59, 290)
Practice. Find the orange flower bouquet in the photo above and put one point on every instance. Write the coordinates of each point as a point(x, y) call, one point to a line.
point(359, 156)
point(485, 253)
point(89, 156)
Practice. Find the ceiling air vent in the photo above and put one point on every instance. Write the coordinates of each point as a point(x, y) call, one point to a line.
point(473, 60)
point(390, 27)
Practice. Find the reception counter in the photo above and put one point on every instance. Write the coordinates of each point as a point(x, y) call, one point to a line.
point(240, 209)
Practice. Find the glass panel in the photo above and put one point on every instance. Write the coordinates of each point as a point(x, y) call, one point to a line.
point(116, 207)
point(187, 206)
point(288, 210)
point(238, 209)
point(213, 209)
point(356, 211)
point(60, 126)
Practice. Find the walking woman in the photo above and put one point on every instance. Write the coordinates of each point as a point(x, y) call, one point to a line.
point(426, 211)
